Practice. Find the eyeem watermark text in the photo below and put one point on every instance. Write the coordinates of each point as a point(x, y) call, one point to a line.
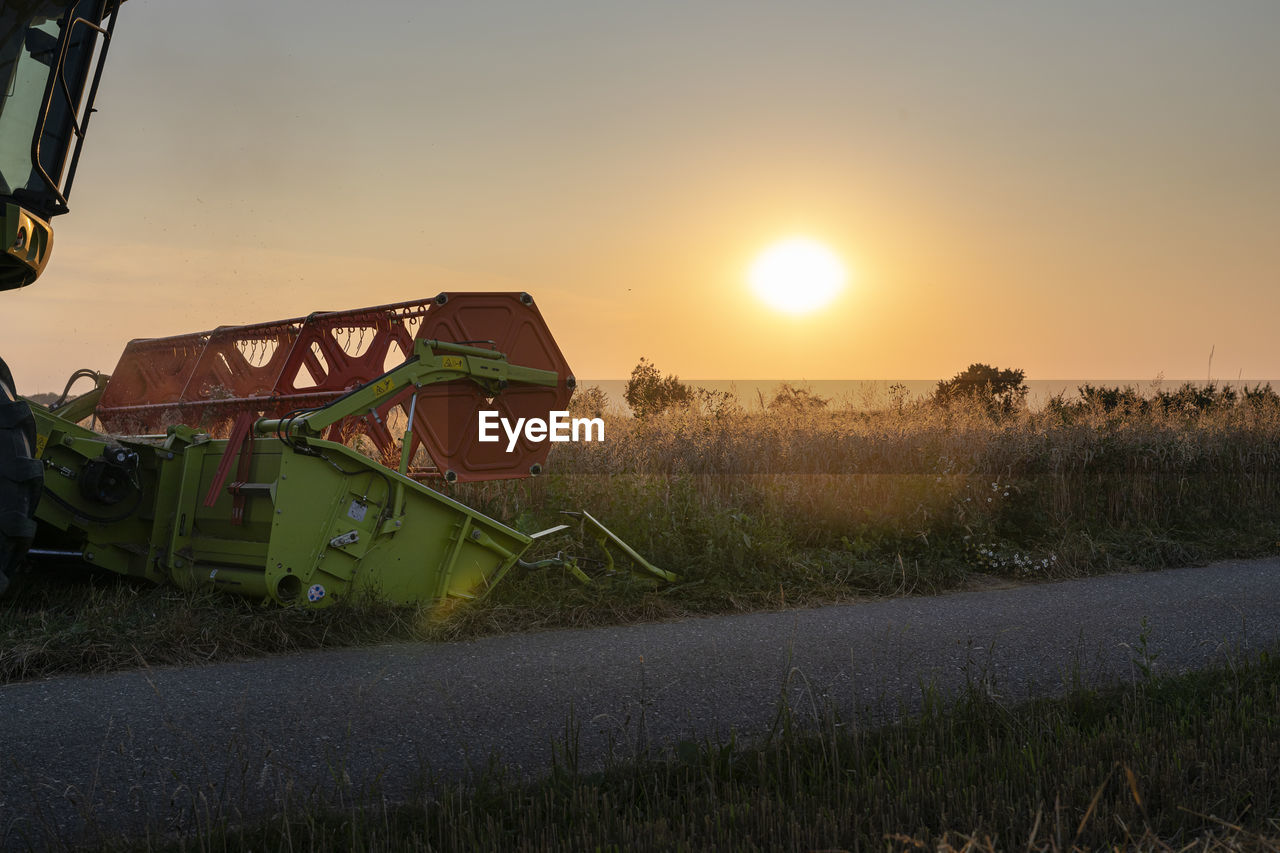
point(558, 427)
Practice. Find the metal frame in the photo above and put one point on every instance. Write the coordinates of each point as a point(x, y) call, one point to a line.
point(210, 379)
point(57, 77)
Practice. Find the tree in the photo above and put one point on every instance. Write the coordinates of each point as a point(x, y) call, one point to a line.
point(648, 392)
point(1001, 392)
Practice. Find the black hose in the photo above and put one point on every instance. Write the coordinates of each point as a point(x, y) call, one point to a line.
point(82, 373)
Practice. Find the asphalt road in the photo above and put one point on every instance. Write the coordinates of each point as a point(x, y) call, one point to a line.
point(167, 747)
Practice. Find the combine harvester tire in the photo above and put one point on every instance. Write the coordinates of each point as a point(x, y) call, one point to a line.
point(21, 477)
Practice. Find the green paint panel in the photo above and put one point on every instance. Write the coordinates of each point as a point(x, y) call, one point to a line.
point(314, 526)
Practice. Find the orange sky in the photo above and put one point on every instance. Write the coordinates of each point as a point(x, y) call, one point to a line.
point(1080, 191)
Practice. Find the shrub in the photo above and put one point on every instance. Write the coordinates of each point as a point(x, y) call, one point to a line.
point(796, 398)
point(648, 392)
point(589, 402)
point(1001, 392)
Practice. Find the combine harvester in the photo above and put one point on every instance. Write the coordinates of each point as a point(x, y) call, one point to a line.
point(225, 458)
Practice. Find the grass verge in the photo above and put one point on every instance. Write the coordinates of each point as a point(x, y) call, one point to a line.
point(1168, 763)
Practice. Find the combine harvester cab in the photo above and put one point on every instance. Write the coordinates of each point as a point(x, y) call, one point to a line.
point(277, 508)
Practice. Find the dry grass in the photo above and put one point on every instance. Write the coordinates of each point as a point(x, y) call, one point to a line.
point(1172, 764)
point(1093, 487)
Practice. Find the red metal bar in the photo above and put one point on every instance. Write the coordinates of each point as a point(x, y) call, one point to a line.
point(209, 379)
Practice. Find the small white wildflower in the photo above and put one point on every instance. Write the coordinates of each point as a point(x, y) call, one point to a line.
point(988, 500)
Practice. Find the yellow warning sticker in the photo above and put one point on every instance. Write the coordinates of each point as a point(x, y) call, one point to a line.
point(451, 362)
point(383, 387)
point(41, 441)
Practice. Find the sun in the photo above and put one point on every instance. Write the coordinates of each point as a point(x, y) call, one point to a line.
point(797, 275)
